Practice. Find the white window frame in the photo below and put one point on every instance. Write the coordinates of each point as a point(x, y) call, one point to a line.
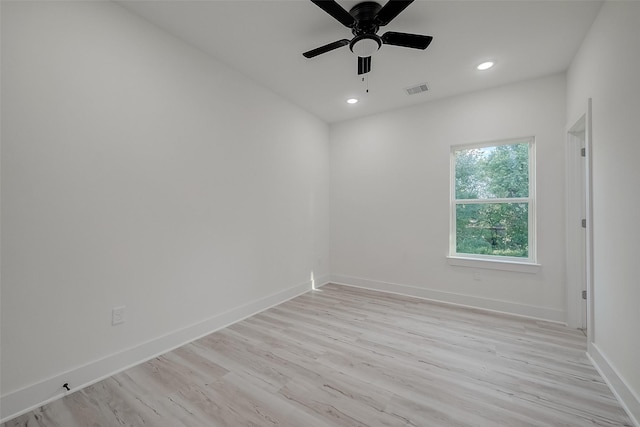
point(529, 264)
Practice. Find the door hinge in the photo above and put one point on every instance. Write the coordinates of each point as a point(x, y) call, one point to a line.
point(584, 223)
point(583, 152)
point(584, 294)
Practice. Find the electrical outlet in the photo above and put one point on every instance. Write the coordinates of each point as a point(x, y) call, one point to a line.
point(117, 315)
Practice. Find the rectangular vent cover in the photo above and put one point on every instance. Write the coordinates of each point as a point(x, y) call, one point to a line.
point(422, 87)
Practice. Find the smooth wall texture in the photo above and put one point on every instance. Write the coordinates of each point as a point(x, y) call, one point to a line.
point(390, 197)
point(606, 69)
point(138, 172)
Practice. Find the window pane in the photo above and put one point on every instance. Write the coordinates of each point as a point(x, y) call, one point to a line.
point(493, 229)
point(492, 172)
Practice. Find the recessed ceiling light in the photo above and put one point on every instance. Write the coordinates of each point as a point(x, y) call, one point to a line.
point(485, 66)
point(352, 101)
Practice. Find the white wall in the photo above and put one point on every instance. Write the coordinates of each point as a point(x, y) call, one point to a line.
point(606, 69)
point(390, 197)
point(137, 171)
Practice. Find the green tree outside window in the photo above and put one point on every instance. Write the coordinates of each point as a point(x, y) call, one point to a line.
point(492, 200)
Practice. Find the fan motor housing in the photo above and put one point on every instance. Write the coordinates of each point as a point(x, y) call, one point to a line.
point(364, 13)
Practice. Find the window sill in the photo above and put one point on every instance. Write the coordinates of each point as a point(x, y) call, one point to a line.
point(520, 267)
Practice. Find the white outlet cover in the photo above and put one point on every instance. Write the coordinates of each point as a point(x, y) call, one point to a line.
point(117, 315)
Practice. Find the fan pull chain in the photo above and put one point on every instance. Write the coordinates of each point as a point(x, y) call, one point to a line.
point(365, 80)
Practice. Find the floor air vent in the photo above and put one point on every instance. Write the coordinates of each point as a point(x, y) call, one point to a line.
point(413, 90)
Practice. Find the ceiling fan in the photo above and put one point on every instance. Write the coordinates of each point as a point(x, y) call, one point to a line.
point(364, 20)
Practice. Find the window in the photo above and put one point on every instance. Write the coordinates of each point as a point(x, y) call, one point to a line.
point(493, 201)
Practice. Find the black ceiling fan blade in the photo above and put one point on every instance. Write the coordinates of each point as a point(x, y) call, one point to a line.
point(326, 48)
point(391, 10)
point(364, 65)
point(414, 41)
point(335, 10)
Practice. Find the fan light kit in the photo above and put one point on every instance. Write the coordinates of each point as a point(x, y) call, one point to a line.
point(364, 20)
point(485, 66)
point(365, 45)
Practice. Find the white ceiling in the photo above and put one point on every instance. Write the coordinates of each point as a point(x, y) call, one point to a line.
point(264, 40)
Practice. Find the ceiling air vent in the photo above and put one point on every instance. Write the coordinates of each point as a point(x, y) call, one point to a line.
point(413, 90)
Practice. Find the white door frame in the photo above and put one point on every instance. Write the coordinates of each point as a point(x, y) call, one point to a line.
point(589, 214)
point(579, 267)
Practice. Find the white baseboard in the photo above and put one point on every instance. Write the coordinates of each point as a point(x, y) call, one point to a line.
point(522, 310)
point(31, 397)
point(627, 398)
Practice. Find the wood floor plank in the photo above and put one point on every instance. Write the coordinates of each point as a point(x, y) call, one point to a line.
point(344, 356)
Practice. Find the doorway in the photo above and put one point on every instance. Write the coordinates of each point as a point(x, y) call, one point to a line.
point(578, 223)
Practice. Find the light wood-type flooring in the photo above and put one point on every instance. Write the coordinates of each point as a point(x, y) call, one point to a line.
point(343, 356)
